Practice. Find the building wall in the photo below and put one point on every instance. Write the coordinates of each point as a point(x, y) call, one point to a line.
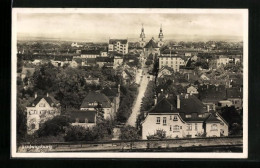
point(89, 55)
point(121, 48)
point(210, 132)
point(237, 102)
point(150, 126)
point(192, 90)
point(37, 115)
point(173, 62)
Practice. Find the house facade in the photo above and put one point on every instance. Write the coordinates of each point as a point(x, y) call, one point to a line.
point(118, 45)
point(183, 116)
point(86, 118)
point(43, 108)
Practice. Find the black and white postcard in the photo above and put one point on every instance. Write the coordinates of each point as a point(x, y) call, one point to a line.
point(129, 83)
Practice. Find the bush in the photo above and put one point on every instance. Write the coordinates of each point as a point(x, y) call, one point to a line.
point(129, 133)
point(75, 133)
point(54, 126)
point(159, 135)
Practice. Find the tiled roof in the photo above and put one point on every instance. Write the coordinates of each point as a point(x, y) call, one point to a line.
point(234, 93)
point(50, 100)
point(104, 59)
point(212, 93)
point(91, 52)
point(151, 44)
point(114, 41)
point(212, 118)
point(91, 60)
point(168, 51)
point(96, 97)
point(163, 106)
point(82, 115)
point(63, 58)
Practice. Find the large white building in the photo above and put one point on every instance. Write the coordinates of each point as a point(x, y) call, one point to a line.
point(118, 45)
point(183, 116)
point(169, 58)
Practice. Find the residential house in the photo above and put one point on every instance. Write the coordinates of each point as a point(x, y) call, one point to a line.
point(90, 53)
point(105, 61)
point(212, 94)
point(118, 61)
point(235, 95)
point(42, 108)
point(89, 62)
point(192, 90)
point(76, 62)
point(95, 99)
point(86, 118)
point(171, 59)
point(183, 116)
point(27, 72)
point(114, 96)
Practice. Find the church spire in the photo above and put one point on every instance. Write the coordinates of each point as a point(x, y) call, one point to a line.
point(161, 33)
point(142, 35)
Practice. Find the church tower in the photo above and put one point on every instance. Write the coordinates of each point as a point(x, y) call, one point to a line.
point(160, 43)
point(142, 37)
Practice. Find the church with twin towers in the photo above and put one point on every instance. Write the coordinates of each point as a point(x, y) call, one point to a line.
point(158, 43)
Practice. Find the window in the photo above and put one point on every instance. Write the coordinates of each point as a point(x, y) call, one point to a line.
point(196, 126)
point(170, 128)
point(180, 127)
point(175, 118)
point(222, 123)
point(42, 105)
point(170, 117)
point(164, 120)
point(33, 126)
point(189, 127)
point(176, 128)
point(214, 127)
point(158, 120)
point(188, 116)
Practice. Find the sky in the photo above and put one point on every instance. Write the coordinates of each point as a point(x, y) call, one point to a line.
point(100, 26)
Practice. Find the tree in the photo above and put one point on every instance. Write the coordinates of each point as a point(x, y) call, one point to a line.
point(160, 134)
point(21, 120)
point(54, 126)
point(75, 133)
point(129, 133)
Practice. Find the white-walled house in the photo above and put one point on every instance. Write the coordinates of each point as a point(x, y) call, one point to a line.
point(183, 116)
point(43, 108)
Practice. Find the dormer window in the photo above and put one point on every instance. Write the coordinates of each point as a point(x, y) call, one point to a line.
point(188, 116)
point(86, 120)
point(175, 118)
point(77, 120)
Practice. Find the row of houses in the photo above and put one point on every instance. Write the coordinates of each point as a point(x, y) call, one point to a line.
point(45, 107)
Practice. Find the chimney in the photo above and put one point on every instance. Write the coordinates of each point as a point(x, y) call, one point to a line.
point(155, 100)
point(208, 108)
point(166, 96)
point(188, 76)
point(145, 114)
point(214, 107)
point(47, 94)
point(171, 107)
point(35, 95)
point(207, 86)
point(178, 102)
point(216, 88)
point(118, 88)
point(240, 89)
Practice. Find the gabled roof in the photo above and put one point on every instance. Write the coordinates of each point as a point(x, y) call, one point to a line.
point(82, 115)
point(93, 97)
point(212, 118)
point(151, 44)
point(163, 106)
point(49, 99)
point(114, 41)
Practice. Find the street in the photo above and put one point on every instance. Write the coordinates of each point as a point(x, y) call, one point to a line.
point(137, 104)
